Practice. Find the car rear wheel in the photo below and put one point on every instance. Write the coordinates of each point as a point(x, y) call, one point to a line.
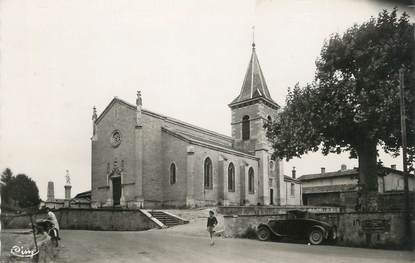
point(264, 234)
point(316, 236)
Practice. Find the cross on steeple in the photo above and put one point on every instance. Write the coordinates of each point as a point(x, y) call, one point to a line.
point(253, 36)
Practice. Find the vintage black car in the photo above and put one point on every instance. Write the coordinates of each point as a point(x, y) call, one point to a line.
point(298, 225)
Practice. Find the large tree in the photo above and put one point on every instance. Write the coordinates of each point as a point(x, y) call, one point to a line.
point(19, 192)
point(6, 178)
point(353, 103)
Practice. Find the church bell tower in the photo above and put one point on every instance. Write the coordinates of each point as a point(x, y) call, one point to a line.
point(250, 111)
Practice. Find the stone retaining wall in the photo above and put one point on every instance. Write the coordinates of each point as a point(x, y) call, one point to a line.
point(375, 230)
point(90, 219)
point(274, 210)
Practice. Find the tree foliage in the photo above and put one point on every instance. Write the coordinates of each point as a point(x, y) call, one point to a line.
point(19, 192)
point(353, 103)
point(6, 178)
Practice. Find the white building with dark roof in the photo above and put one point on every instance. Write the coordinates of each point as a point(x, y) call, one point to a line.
point(339, 188)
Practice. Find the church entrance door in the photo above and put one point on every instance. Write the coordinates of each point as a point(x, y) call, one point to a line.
point(116, 190)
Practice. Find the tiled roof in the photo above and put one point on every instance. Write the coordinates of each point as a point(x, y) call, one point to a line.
point(84, 197)
point(86, 194)
point(349, 172)
point(329, 188)
point(290, 179)
point(195, 136)
point(254, 85)
point(308, 177)
point(167, 119)
point(194, 139)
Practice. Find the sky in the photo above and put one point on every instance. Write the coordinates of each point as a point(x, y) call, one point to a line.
point(60, 58)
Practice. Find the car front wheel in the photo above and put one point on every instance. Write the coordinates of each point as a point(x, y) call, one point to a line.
point(264, 234)
point(316, 236)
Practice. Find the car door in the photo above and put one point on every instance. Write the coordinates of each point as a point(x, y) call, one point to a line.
point(301, 227)
point(294, 227)
point(288, 227)
point(276, 226)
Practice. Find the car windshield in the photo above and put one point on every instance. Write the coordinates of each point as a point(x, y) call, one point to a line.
point(296, 214)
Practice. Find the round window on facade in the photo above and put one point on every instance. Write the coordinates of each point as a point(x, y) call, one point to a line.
point(115, 138)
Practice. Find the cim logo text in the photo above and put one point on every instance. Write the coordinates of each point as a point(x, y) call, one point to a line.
point(23, 252)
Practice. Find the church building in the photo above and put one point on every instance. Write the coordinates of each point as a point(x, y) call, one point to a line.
point(144, 159)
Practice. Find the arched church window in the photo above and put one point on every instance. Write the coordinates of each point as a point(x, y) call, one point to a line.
point(172, 173)
point(231, 178)
point(269, 119)
point(251, 184)
point(208, 173)
point(246, 129)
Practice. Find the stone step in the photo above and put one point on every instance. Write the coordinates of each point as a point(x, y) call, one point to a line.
point(166, 219)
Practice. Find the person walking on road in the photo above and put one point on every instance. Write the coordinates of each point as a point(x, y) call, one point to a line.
point(211, 223)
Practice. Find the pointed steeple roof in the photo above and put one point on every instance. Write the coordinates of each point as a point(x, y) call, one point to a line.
point(254, 85)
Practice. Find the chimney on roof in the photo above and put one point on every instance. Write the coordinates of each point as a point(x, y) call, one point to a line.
point(323, 170)
point(343, 167)
point(293, 172)
point(393, 166)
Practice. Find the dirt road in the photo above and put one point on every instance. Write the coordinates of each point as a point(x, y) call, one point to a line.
point(173, 246)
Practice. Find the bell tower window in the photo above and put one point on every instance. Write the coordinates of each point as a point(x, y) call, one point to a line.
point(246, 129)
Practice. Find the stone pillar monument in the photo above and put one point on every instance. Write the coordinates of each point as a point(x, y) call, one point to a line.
point(67, 186)
point(51, 192)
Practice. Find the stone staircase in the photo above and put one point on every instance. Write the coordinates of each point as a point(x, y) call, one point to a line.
point(168, 219)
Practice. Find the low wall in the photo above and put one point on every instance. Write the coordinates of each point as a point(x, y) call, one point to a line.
point(16, 221)
point(395, 201)
point(375, 230)
point(274, 210)
point(104, 219)
point(90, 219)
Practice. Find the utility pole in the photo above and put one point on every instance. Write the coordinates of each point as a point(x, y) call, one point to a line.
point(404, 155)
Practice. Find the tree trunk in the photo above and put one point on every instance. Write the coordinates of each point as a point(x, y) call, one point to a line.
point(368, 179)
point(368, 166)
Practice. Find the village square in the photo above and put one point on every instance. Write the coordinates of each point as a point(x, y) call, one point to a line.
point(145, 139)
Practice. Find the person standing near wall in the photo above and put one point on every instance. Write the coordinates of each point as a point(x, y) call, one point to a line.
point(211, 223)
point(52, 218)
